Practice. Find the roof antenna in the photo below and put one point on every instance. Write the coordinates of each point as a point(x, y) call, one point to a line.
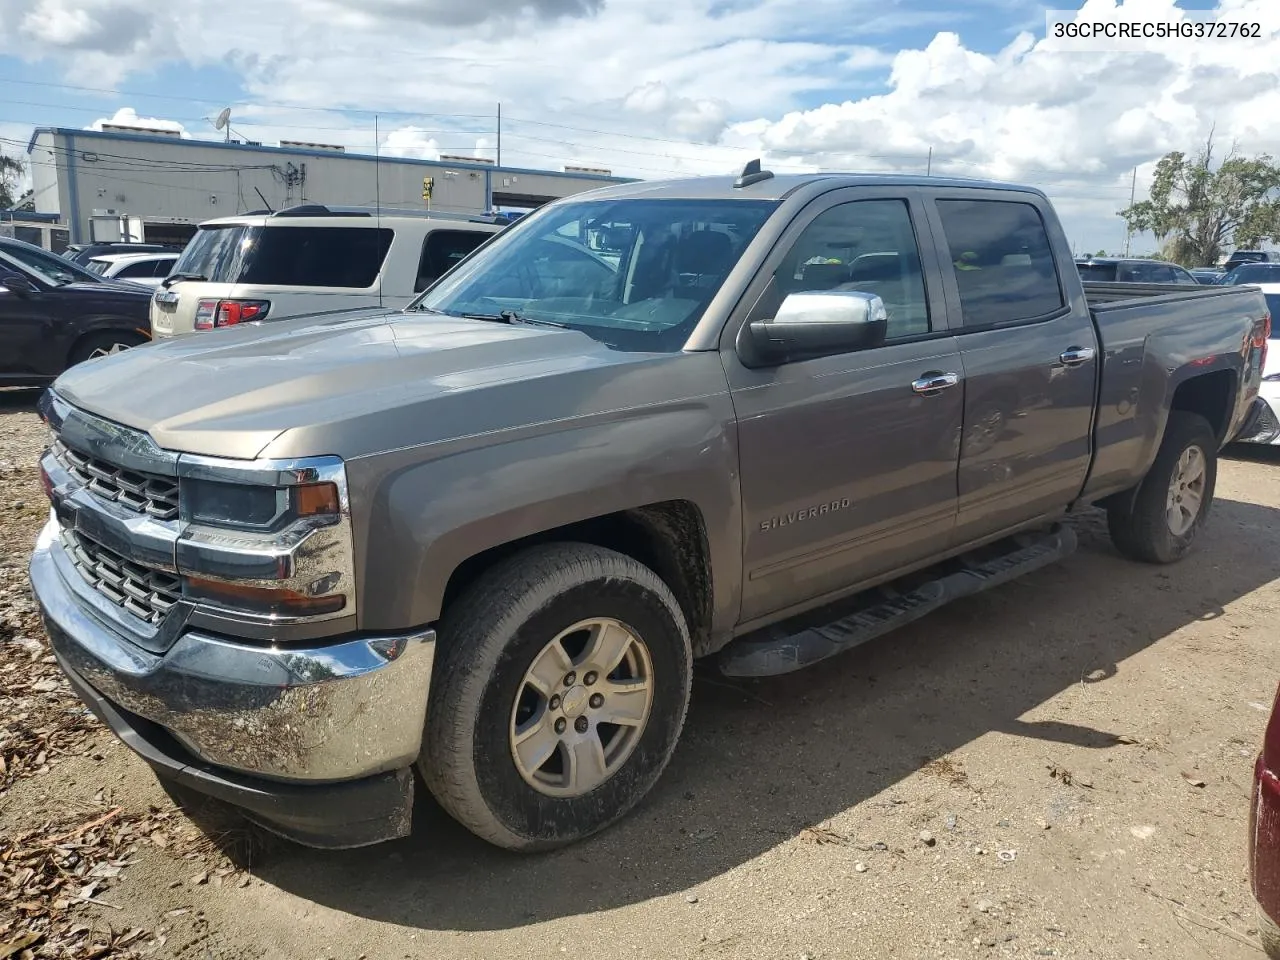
point(752, 173)
point(377, 193)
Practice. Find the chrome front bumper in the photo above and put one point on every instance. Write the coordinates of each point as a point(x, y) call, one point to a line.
point(342, 711)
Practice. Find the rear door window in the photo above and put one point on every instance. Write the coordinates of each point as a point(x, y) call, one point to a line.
point(441, 250)
point(146, 268)
point(1003, 263)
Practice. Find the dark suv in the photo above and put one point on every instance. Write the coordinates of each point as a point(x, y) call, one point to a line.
point(55, 314)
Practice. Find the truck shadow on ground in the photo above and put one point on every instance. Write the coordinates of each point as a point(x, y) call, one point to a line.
point(761, 761)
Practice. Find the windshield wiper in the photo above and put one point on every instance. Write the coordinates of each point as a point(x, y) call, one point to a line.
point(173, 278)
point(510, 316)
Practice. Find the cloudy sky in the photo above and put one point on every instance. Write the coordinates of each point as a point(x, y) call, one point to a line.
point(649, 88)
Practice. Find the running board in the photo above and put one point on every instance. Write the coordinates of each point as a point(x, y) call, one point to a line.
point(776, 651)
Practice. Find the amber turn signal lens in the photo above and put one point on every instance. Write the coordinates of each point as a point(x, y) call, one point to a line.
point(273, 601)
point(316, 500)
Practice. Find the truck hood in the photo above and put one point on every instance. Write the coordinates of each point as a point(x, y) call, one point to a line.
point(350, 384)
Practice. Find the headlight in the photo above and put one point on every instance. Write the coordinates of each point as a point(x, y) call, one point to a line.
point(247, 507)
point(266, 539)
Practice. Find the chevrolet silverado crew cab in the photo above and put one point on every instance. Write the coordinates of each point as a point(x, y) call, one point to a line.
point(756, 421)
point(309, 260)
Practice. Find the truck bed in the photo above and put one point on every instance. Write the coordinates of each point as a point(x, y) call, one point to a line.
point(1151, 337)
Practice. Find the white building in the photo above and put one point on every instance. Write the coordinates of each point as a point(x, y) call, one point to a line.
point(104, 184)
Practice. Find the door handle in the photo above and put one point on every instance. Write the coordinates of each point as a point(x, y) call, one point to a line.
point(932, 384)
point(1075, 356)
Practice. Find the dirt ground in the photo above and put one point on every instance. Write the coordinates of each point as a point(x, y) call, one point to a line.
point(1059, 768)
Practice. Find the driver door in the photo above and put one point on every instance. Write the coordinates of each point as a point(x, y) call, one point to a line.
point(848, 465)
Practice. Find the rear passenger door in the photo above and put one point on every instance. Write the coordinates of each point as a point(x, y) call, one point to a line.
point(1029, 357)
point(848, 461)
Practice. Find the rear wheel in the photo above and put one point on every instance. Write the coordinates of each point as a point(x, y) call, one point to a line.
point(1159, 523)
point(104, 345)
point(562, 682)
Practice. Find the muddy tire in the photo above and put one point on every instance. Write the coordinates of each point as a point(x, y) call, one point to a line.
point(560, 688)
point(1160, 523)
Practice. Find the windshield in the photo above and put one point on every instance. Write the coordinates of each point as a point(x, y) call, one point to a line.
point(216, 253)
point(634, 274)
point(1100, 272)
point(48, 267)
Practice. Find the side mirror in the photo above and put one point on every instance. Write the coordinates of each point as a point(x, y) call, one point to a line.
point(18, 284)
point(815, 324)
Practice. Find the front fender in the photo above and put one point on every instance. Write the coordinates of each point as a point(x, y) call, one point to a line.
point(422, 512)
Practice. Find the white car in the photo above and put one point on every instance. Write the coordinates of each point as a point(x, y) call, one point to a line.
point(1268, 428)
point(306, 261)
point(146, 269)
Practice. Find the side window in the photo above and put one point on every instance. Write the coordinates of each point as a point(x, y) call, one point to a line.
point(441, 250)
point(1003, 263)
point(143, 269)
point(162, 268)
point(317, 256)
point(863, 245)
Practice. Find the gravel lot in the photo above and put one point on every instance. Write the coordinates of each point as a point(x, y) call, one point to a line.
point(1058, 768)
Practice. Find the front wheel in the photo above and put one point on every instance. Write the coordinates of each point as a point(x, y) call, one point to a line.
point(561, 686)
point(1159, 523)
point(104, 345)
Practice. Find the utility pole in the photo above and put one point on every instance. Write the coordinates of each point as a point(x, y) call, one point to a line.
point(928, 170)
point(499, 135)
point(1133, 187)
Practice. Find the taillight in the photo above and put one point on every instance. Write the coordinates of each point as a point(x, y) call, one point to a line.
point(1271, 742)
point(226, 313)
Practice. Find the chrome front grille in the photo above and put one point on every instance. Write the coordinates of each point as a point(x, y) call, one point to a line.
point(144, 493)
point(146, 593)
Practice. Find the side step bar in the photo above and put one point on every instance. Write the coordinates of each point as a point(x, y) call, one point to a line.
point(776, 651)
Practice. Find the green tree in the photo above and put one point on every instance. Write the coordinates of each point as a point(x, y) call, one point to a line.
point(1196, 208)
point(11, 171)
point(1101, 253)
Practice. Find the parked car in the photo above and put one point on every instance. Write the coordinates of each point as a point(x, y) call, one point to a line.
point(82, 253)
point(1207, 275)
point(308, 260)
point(1131, 270)
point(1267, 428)
point(1252, 273)
point(1250, 256)
point(146, 269)
point(1264, 836)
point(55, 316)
point(488, 534)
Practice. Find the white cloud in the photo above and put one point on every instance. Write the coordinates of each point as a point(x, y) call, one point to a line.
point(128, 117)
point(649, 89)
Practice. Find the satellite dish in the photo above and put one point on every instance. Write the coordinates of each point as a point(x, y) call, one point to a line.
point(223, 118)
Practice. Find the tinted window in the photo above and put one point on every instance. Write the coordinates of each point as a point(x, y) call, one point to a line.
point(1097, 272)
point(865, 245)
point(144, 269)
point(316, 256)
point(287, 256)
point(1003, 264)
point(441, 250)
point(635, 274)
